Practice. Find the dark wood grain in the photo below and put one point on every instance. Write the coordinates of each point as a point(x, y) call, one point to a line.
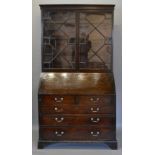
point(78, 7)
point(73, 109)
point(49, 100)
point(77, 83)
point(97, 100)
point(78, 133)
point(70, 120)
point(76, 95)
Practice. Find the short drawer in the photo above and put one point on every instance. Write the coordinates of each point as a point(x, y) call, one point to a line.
point(75, 109)
point(48, 100)
point(69, 120)
point(78, 133)
point(96, 100)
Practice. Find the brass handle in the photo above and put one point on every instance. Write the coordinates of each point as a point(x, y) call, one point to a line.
point(95, 134)
point(95, 120)
point(59, 133)
point(59, 119)
point(94, 99)
point(58, 109)
point(59, 99)
point(97, 109)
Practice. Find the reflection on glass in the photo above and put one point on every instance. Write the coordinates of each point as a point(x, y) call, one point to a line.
point(95, 42)
point(59, 40)
point(58, 28)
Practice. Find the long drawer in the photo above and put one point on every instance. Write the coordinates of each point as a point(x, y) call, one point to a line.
point(78, 133)
point(75, 109)
point(48, 100)
point(65, 120)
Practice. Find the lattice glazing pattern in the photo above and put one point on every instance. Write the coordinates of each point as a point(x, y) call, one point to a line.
point(58, 28)
point(60, 40)
point(96, 47)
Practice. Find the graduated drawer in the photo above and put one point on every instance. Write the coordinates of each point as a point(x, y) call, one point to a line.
point(97, 100)
point(48, 100)
point(78, 133)
point(76, 109)
point(66, 120)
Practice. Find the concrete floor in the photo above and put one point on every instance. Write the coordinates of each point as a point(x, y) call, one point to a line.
point(74, 149)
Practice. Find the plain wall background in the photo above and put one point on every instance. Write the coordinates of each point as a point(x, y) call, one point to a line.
point(36, 50)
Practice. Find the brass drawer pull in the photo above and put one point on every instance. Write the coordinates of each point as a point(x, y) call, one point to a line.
point(94, 99)
point(95, 120)
point(97, 109)
point(59, 133)
point(58, 99)
point(59, 119)
point(95, 134)
point(58, 109)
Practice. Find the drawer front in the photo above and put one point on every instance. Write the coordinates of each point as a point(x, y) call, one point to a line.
point(78, 133)
point(48, 100)
point(63, 120)
point(73, 109)
point(97, 100)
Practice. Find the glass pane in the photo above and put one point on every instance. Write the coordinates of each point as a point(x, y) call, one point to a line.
point(95, 41)
point(59, 31)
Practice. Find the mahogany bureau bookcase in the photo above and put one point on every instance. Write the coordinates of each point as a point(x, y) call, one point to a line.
point(76, 95)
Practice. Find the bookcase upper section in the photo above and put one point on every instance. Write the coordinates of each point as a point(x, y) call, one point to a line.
point(77, 38)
